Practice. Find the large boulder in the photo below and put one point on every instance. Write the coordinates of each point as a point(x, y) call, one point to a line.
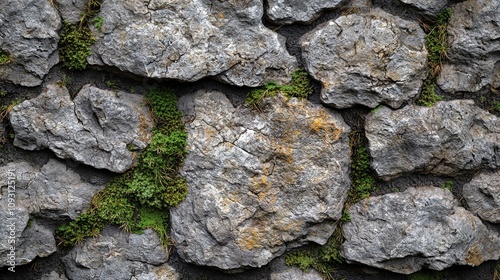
point(28, 36)
point(290, 11)
point(119, 256)
point(428, 7)
point(98, 128)
point(192, 39)
point(473, 35)
point(259, 181)
point(366, 59)
point(420, 227)
point(41, 193)
point(449, 138)
point(482, 195)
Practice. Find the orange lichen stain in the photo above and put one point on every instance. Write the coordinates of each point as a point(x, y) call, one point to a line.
point(144, 129)
point(250, 238)
point(221, 15)
point(321, 125)
point(284, 153)
point(260, 184)
point(474, 256)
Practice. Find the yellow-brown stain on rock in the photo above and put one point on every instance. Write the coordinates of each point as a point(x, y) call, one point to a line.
point(250, 238)
point(474, 256)
point(321, 125)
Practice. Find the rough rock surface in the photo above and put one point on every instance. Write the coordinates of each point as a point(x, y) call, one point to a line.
point(28, 35)
point(53, 275)
point(474, 37)
point(428, 7)
point(119, 256)
point(421, 227)
point(97, 128)
point(482, 194)
point(190, 40)
point(290, 11)
point(446, 139)
point(71, 10)
point(366, 59)
point(42, 193)
point(259, 182)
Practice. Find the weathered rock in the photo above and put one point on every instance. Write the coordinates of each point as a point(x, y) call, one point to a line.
point(422, 227)
point(117, 255)
point(473, 35)
point(482, 194)
point(366, 59)
point(289, 11)
point(53, 275)
point(428, 7)
point(190, 40)
point(97, 128)
point(71, 10)
point(28, 35)
point(280, 271)
point(446, 139)
point(259, 182)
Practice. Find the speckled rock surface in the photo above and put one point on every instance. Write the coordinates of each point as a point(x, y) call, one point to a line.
point(483, 195)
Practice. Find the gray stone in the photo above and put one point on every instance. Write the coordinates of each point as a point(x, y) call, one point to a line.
point(280, 271)
point(366, 59)
point(259, 182)
point(428, 7)
point(482, 194)
point(446, 139)
point(420, 227)
point(190, 40)
point(116, 255)
point(473, 35)
point(28, 35)
point(97, 128)
point(290, 11)
point(71, 10)
point(53, 275)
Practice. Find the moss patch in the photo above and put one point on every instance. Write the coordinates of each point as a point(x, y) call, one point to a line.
point(299, 86)
point(436, 43)
point(140, 198)
point(4, 58)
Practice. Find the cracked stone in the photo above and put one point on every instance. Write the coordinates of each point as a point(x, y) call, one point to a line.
point(366, 59)
point(418, 228)
point(259, 182)
point(482, 194)
point(97, 128)
point(449, 138)
point(190, 40)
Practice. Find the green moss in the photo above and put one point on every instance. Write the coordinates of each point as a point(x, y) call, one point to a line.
point(299, 87)
point(426, 275)
point(74, 45)
point(3, 93)
point(447, 185)
point(436, 43)
point(97, 22)
point(4, 58)
point(140, 198)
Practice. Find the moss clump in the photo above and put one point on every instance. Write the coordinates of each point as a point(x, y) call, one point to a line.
point(4, 58)
point(74, 46)
point(140, 198)
point(299, 86)
point(436, 43)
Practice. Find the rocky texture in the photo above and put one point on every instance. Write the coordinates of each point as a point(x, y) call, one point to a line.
point(259, 182)
point(289, 11)
point(121, 256)
point(295, 273)
point(28, 35)
point(483, 196)
point(366, 59)
point(98, 128)
point(446, 139)
point(428, 7)
point(474, 38)
point(71, 10)
point(53, 275)
point(422, 227)
point(189, 40)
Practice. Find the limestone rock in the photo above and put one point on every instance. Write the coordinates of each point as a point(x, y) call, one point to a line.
point(28, 35)
point(53, 275)
point(366, 59)
point(422, 227)
point(280, 271)
point(52, 192)
point(190, 40)
point(473, 35)
point(116, 255)
point(71, 10)
point(428, 7)
point(97, 128)
point(483, 195)
point(290, 11)
point(258, 182)
point(446, 139)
